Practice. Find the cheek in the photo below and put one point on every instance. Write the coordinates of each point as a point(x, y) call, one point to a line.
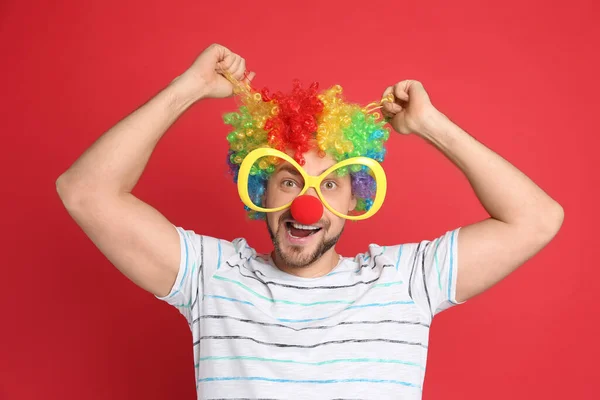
point(272, 197)
point(335, 223)
point(272, 219)
point(345, 201)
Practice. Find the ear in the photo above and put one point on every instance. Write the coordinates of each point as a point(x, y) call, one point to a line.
point(263, 199)
point(353, 202)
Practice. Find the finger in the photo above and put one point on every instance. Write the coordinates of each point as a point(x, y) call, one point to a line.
point(225, 64)
point(248, 77)
point(410, 85)
point(392, 108)
point(224, 56)
point(387, 91)
point(387, 114)
point(235, 65)
point(239, 71)
point(398, 92)
point(401, 90)
point(229, 63)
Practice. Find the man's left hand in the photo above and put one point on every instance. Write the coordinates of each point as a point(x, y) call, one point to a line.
point(411, 109)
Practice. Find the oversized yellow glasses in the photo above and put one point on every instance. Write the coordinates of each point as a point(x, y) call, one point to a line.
point(353, 189)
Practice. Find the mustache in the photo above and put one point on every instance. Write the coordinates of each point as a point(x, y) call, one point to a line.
point(288, 215)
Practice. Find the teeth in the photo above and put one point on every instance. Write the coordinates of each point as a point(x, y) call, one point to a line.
point(307, 227)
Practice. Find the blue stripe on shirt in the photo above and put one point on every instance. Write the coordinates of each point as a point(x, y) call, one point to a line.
point(219, 257)
point(399, 255)
point(391, 303)
point(315, 363)
point(451, 266)
point(310, 381)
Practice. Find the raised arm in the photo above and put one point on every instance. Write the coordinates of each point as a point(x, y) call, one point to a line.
point(96, 189)
point(523, 218)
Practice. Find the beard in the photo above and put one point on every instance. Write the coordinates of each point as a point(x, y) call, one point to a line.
point(295, 257)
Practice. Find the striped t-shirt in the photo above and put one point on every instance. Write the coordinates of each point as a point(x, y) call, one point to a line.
point(359, 332)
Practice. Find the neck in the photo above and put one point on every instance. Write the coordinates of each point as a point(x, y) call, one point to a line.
point(322, 266)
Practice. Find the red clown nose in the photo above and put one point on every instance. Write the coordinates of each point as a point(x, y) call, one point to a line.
point(307, 209)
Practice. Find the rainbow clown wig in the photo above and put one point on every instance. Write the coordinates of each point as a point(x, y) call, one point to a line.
point(297, 122)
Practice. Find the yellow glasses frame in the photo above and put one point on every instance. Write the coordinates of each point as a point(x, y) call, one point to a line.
point(312, 181)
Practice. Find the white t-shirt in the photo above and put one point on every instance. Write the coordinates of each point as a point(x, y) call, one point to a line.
point(360, 332)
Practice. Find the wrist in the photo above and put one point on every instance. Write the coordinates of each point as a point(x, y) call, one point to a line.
point(187, 90)
point(432, 123)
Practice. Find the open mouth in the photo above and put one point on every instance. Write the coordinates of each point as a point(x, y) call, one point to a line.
point(297, 230)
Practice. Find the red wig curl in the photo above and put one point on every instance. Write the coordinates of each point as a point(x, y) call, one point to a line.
point(295, 123)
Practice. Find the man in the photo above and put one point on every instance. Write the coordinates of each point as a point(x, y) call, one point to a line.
point(304, 322)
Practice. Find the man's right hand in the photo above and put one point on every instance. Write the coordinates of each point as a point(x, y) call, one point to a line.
point(203, 77)
point(97, 189)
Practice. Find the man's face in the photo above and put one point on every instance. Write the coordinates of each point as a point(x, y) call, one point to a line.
point(296, 245)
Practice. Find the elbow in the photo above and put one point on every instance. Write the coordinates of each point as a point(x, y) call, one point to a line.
point(551, 221)
point(79, 195)
point(72, 193)
point(557, 217)
point(542, 224)
point(560, 216)
point(62, 186)
point(66, 190)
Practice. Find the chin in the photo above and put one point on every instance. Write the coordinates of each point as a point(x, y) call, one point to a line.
point(301, 252)
point(298, 252)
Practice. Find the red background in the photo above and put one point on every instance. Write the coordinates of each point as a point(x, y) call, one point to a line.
point(520, 77)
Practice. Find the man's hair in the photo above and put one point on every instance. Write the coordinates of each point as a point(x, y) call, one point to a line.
point(299, 121)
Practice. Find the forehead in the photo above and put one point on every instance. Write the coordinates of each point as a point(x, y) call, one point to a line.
point(314, 164)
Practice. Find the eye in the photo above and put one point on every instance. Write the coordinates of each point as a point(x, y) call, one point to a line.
point(329, 185)
point(288, 183)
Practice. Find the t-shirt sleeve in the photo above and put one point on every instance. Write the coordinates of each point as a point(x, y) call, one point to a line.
point(200, 256)
point(430, 268)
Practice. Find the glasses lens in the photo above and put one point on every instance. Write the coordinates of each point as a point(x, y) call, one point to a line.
point(350, 190)
point(280, 179)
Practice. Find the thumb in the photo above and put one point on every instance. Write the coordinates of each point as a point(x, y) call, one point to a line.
point(392, 108)
point(250, 77)
point(223, 57)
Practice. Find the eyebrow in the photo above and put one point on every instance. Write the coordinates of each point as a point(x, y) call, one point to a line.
point(289, 168)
